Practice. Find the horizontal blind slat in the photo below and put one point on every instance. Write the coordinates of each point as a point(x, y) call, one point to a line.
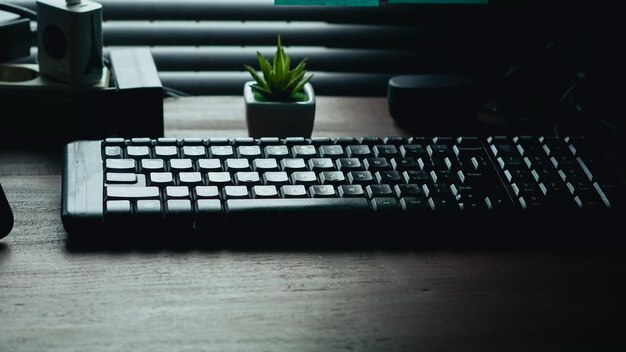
point(231, 83)
point(264, 34)
point(265, 10)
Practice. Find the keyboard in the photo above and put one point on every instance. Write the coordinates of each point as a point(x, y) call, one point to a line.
point(367, 186)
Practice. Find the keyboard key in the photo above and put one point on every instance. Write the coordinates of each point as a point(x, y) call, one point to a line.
point(165, 152)
point(178, 165)
point(120, 165)
point(141, 141)
point(348, 164)
point(113, 152)
point(388, 177)
point(439, 151)
point(194, 151)
point(167, 141)
point(321, 164)
point(264, 141)
point(276, 151)
point(293, 191)
point(410, 190)
point(385, 205)
point(209, 165)
point(189, 178)
point(151, 165)
point(395, 140)
point(518, 175)
point(120, 178)
point(303, 178)
point(219, 141)
point(332, 178)
point(322, 191)
point(291, 141)
point(374, 191)
point(511, 162)
point(292, 164)
point(193, 141)
point(132, 193)
point(344, 141)
point(358, 151)
point(118, 207)
point(441, 203)
point(371, 140)
point(318, 141)
point(150, 208)
point(235, 192)
point(243, 141)
point(249, 152)
point(206, 192)
point(263, 165)
point(235, 165)
point(277, 178)
point(313, 205)
point(413, 151)
point(221, 152)
point(401, 164)
point(138, 152)
point(331, 151)
point(360, 177)
point(219, 179)
point(264, 192)
point(504, 149)
point(414, 204)
point(386, 151)
point(445, 176)
point(114, 141)
point(350, 191)
point(437, 189)
point(531, 202)
point(177, 192)
point(303, 151)
point(161, 179)
point(247, 179)
point(375, 164)
point(412, 176)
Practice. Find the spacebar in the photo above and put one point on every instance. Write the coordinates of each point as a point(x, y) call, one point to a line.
point(297, 205)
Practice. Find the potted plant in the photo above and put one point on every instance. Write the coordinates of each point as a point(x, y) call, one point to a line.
point(282, 102)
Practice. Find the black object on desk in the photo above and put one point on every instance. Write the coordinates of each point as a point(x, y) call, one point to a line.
point(6, 215)
point(433, 103)
point(195, 184)
point(129, 101)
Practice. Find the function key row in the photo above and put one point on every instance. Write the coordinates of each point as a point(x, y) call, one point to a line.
point(305, 151)
point(317, 141)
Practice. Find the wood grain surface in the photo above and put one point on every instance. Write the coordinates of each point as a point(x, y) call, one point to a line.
point(54, 299)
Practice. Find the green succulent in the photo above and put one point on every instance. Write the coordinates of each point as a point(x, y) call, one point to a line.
point(279, 82)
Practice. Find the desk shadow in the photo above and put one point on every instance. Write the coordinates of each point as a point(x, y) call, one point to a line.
point(152, 244)
point(5, 252)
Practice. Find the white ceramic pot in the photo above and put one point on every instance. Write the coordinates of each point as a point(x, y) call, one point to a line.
point(279, 119)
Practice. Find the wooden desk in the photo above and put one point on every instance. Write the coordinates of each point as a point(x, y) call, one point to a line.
point(55, 300)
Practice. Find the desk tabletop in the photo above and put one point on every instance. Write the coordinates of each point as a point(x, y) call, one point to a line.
point(56, 299)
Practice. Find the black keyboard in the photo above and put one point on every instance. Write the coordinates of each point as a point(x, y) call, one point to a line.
point(335, 184)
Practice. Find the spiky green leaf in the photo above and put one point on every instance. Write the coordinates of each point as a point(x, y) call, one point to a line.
point(256, 76)
point(279, 82)
point(301, 84)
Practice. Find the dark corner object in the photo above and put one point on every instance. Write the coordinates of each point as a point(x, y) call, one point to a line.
point(6, 216)
point(431, 103)
point(15, 32)
point(130, 103)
